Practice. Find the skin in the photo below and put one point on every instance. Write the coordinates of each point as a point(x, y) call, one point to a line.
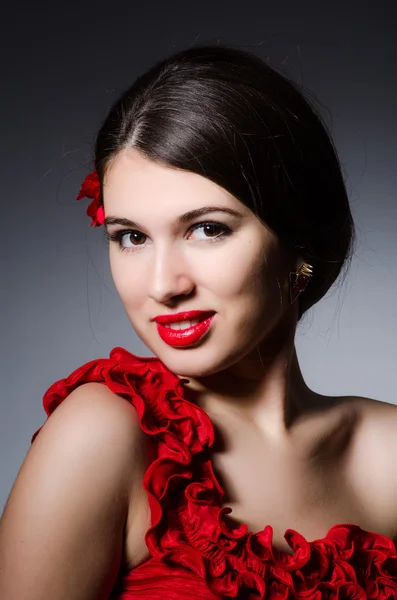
point(284, 454)
point(248, 360)
point(317, 451)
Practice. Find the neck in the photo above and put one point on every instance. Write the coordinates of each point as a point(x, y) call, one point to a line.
point(266, 388)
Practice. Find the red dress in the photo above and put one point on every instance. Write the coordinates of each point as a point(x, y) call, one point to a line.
point(194, 552)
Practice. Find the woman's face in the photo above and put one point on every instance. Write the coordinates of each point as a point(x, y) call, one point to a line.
point(235, 267)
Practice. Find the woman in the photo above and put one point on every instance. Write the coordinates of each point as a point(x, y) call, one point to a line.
point(211, 471)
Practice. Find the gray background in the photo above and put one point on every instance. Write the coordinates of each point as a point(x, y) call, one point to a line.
point(62, 66)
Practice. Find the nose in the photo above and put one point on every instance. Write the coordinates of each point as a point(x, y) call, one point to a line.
point(169, 276)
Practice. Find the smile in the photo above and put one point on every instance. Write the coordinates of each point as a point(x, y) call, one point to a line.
point(179, 325)
point(184, 333)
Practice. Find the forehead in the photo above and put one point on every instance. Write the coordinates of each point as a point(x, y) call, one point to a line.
point(132, 180)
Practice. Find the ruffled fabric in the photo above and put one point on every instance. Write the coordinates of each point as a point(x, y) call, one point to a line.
point(194, 551)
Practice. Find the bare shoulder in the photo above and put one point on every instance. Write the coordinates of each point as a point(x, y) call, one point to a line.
point(69, 503)
point(94, 398)
point(373, 464)
point(378, 421)
point(92, 414)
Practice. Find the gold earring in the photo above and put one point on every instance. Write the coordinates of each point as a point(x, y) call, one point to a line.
point(299, 280)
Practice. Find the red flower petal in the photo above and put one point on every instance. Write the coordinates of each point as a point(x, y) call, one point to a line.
point(91, 188)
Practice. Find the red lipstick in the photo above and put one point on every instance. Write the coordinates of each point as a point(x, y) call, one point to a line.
point(187, 315)
point(183, 337)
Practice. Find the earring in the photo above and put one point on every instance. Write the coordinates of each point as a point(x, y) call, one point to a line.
point(299, 280)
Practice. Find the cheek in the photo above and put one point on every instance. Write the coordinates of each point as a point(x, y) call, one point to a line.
point(250, 279)
point(259, 288)
point(247, 276)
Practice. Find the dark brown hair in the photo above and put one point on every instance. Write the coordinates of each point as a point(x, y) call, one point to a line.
point(225, 114)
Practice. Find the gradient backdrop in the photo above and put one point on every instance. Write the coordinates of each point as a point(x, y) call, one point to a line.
point(63, 64)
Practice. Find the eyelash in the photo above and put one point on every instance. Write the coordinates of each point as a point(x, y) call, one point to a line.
point(117, 236)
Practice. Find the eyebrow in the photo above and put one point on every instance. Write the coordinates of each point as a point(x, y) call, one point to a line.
point(185, 218)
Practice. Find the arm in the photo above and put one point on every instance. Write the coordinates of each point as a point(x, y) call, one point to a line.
point(61, 533)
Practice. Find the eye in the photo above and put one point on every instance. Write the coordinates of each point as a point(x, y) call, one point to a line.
point(213, 231)
point(122, 238)
point(213, 228)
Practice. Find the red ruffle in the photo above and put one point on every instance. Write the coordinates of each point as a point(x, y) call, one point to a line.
point(190, 538)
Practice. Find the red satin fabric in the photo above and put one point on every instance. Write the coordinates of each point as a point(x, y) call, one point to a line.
point(195, 552)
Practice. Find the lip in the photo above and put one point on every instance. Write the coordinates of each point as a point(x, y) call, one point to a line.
point(183, 316)
point(179, 338)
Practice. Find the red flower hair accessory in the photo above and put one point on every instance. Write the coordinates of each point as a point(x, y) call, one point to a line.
point(91, 189)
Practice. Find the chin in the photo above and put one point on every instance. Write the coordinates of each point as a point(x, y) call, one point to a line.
point(207, 357)
point(196, 362)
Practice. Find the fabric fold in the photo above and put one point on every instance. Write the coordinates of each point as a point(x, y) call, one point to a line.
point(190, 536)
